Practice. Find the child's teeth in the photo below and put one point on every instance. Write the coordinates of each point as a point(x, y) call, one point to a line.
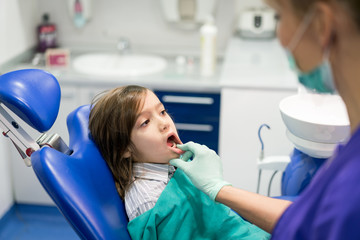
point(174, 144)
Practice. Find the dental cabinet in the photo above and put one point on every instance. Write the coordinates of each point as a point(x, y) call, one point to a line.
point(255, 78)
point(243, 111)
point(196, 115)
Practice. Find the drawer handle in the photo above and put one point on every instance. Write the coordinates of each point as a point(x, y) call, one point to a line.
point(194, 127)
point(188, 100)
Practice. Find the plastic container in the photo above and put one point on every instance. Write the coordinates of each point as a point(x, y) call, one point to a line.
point(208, 33)
point(46, 33)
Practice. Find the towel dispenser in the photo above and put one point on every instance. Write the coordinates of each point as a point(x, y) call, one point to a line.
point(188, 13)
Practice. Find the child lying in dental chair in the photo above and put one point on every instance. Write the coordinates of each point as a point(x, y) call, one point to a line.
point(137, 139)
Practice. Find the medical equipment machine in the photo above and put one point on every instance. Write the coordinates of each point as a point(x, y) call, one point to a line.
point(316, 124)
point(257, 23)
point(76, 177)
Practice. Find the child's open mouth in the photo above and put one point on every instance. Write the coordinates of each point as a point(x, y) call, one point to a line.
point(172, 141)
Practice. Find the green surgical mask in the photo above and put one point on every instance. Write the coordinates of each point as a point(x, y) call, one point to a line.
point(320, 79)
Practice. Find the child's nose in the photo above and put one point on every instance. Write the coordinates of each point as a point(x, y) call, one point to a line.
point(164, 125)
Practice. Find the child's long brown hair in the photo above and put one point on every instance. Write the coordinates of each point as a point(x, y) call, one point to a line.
point(111, 121)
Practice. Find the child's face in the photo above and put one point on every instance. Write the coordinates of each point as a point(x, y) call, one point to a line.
point(154, 134)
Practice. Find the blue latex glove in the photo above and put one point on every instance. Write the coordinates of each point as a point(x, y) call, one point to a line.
point(205, 170)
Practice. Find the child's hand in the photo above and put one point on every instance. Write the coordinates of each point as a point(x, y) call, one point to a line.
point(205, 170)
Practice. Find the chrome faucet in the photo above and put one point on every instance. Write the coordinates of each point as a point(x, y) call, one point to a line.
point(123, 46)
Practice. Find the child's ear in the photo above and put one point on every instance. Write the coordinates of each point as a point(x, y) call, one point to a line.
point(127, 154)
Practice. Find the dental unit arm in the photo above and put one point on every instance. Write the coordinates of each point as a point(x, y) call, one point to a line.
point(274, 163)
point(76, 177)
point(21, 140)
point(21, 94)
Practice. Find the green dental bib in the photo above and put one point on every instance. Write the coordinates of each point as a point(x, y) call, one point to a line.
point(184, 212)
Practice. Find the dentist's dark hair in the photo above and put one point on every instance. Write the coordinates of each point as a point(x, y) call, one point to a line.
point(112, 118)
point(303, 6)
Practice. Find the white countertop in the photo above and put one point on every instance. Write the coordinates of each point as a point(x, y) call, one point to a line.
point(256, 64)
point(172, 78)
point(247, 64)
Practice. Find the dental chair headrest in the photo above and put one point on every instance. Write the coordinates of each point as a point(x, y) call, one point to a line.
point(37, 106)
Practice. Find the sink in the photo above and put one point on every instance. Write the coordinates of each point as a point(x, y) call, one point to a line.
point(116, 65)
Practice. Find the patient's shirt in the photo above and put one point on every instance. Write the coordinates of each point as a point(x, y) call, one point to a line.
point(150, 181)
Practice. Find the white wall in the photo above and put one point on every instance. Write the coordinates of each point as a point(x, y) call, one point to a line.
point(139, 20)
point(6, 192)
point(18, 19)
point(17, 22)
point(241, 4)
point(142, 22)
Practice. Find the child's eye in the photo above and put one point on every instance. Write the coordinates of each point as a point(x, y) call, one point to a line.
point(163, 112)
point(146, 122)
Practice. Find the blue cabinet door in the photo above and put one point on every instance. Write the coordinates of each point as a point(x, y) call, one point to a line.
point(196, 116)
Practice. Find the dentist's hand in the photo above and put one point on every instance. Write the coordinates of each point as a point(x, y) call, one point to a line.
point(205, 170)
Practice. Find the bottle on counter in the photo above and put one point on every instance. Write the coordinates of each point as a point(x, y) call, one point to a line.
point(46, 33)
point(208, 33)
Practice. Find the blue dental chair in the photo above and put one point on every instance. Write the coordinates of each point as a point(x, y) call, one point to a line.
point(76, 177)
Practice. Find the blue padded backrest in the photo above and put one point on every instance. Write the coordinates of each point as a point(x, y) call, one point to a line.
point(33, 95)
point(299, 173)
point(81, 184)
